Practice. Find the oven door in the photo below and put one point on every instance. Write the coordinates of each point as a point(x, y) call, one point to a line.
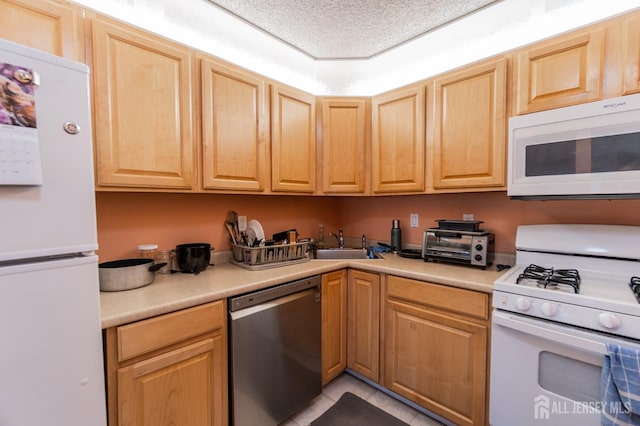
point(545, 373)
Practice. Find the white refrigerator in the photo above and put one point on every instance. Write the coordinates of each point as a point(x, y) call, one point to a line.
point(51, 365)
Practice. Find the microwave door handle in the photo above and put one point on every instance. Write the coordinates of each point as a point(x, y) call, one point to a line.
point(562, 338)
point(448, 234)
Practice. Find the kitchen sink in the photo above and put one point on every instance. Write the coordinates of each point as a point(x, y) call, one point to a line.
point(343, 253)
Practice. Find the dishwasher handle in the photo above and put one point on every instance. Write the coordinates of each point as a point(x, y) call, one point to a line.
point(276, 304)
point(271, 293)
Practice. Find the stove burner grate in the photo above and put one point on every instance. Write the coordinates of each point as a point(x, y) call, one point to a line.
point(634, 283)
point(551, 278)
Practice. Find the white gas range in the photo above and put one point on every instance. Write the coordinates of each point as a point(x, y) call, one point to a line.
point(570, 293)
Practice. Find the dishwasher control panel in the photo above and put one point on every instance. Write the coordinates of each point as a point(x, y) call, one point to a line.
point(271, 293)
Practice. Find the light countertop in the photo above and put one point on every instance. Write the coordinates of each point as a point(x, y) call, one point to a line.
point(178, 291)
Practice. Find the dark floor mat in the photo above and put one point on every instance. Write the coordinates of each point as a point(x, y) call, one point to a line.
point(351, 410)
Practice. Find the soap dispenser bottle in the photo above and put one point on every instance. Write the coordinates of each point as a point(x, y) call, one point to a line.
point(396, 236)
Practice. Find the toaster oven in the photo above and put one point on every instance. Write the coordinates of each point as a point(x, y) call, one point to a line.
point(474, 248)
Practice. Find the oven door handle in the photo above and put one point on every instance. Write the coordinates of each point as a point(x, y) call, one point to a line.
point(547, 333)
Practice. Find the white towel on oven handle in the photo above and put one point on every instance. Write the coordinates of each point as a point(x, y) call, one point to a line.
point(620, 386)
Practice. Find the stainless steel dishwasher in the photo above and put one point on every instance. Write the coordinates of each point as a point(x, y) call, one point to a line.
point(275, 352)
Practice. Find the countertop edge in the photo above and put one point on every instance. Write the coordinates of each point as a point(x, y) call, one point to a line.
point(227, 280)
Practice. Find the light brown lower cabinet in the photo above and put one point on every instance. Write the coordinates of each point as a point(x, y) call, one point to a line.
point(363, 324)
point(424, 341)
point(168, 370)
point(334, 324)
point(435, 348)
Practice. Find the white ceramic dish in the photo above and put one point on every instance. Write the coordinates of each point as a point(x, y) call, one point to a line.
point(257, 227)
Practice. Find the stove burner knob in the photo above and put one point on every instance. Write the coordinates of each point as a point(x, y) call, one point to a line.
point(549, 309)
point(523, 304)
point(609, 320)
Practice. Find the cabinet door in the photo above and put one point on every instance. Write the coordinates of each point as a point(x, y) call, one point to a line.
point(469, 147)
point(343, 145)
point(143, 109)
point(41, 24)
point(437, 361)
point(334, 324)
point(560, 72)
point(397, 141)
point(233, 121)
point(184, 386)
point(293, 140)
point(363, 324)
point(631, 30)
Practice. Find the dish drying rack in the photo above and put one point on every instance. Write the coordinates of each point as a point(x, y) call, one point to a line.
point(265, 257)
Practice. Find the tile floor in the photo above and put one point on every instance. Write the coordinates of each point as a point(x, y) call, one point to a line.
point(347, 383)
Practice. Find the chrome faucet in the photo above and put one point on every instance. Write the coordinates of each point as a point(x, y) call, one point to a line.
point(339, 238)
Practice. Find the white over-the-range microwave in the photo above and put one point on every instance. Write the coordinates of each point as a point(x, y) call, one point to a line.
point(583, 151)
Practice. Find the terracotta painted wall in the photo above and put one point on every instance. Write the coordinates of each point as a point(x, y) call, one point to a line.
point(128, 219)
point(499, 213)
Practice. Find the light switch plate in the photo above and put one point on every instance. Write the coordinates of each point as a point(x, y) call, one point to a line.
point(467, 216)
point(414, 220)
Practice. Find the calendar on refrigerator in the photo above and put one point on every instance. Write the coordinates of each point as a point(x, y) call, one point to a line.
point(19, 144)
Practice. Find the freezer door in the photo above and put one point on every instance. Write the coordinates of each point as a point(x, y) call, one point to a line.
point(58, 216)
point(51, 368)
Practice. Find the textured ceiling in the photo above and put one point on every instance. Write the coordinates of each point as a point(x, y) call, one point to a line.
point(348, 29)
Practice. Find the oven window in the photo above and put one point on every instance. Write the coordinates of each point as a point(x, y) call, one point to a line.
point(568, 377)
point(594, 155)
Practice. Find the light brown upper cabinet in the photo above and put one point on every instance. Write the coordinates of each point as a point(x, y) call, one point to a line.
point(397, 141)
point(344, 145)
point(563, 71)
point(631, 28)
point(293, 140)
point(233, 129)
point(143, 107)
point(44, 25)
point(470, 128)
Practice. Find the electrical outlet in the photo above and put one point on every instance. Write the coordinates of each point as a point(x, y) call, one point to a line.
point(414, 220)
point(242, 223)
point(467, 216)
